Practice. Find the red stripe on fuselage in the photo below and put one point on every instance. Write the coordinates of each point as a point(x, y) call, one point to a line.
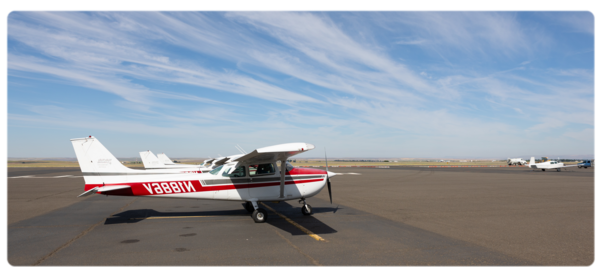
point(305, 171)
point(186, 186)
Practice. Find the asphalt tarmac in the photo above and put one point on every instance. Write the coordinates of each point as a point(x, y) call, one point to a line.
point(394, 217)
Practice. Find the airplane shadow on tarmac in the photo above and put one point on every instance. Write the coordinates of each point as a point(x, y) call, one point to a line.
point(293, 213)
point(309, 222)
point(138, 215)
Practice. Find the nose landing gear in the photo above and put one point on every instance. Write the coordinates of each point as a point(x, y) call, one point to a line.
point(306, 208)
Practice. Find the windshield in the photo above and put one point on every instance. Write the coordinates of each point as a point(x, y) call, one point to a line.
point(288, 166)
point(216, 170)
point(238, 172)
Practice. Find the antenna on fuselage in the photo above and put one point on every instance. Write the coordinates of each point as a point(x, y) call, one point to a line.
point(240, 149)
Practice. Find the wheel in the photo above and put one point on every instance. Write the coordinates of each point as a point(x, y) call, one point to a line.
point(307, 210)
point(543, 169)
point(585, 167)
point(249, 207)
point(260, 215)
point(557, 169)
point(579, 167)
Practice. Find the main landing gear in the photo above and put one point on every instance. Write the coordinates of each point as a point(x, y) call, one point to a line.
point(259, 215)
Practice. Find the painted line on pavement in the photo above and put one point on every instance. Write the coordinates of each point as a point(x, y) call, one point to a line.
point(310, 233)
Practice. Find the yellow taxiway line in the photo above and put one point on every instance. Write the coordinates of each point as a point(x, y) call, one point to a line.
point(310, 233)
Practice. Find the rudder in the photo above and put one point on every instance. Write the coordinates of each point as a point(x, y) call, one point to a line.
point(150, 160)
point(165, 159)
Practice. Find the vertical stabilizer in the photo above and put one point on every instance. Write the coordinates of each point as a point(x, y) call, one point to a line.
point(150, 160)
point(165, 159)
point(94, 157)
point(532, 161)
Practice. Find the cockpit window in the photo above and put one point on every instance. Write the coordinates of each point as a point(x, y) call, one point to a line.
point(261, 169)
point(216, 170)
point(239, 172)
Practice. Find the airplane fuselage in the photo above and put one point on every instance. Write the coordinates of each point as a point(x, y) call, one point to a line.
point(547, 165)
point(299, 183)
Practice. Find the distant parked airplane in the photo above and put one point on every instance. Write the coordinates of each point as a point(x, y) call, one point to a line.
point(548, 165)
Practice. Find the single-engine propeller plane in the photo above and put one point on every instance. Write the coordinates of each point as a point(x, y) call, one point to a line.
point(252, 178)
point(548, 165)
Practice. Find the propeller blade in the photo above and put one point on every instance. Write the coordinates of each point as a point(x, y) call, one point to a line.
point(328, 183)
point(329, 189)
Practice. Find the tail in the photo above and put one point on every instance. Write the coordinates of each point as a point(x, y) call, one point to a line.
point(532, 161)
point(94, 157)
point(165, 159)
point(150, 160)
point(96, 162)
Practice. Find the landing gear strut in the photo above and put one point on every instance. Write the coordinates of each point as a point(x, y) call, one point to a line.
point(248, 206)
point(306, 208)
point(259, 215)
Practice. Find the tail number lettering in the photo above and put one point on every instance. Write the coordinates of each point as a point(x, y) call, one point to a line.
point(169, 187)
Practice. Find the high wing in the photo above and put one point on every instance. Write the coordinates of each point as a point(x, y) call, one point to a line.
point(274, 153)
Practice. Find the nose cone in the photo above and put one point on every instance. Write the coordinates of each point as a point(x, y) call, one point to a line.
point(330, 174)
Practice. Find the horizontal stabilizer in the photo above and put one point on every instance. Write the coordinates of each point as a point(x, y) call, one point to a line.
point(103, 189)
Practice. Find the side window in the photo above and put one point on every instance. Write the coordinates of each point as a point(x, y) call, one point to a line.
point(288, 166)
point(261, 169)
point(239, 172)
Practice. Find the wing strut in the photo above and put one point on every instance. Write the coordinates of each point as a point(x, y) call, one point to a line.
point(282, 171)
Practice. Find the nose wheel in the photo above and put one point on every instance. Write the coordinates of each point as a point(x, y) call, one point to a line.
point(306, 208)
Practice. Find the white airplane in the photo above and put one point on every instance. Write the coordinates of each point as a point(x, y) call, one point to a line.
point(548, 165)
point(165, 159)
point(150, 161)
point(253, 177)
point(162, 157)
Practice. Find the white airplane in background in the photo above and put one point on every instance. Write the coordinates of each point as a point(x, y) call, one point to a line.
point(150, 161)
point(253, 177)
point(548, 165)
point(165, 159)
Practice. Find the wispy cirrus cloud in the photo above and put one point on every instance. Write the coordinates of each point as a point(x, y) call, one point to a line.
point(325, 76)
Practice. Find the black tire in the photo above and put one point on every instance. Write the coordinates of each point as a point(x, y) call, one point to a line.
point(578, 166)
point(260, 215)
point(585, 167)
point(543, 169)
point(307, 210)
point(249, 207)
point(557, 169)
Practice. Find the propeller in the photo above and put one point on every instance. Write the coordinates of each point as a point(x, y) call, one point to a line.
point(328, 183)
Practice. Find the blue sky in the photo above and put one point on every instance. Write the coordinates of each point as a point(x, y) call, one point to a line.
point(361, 84)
